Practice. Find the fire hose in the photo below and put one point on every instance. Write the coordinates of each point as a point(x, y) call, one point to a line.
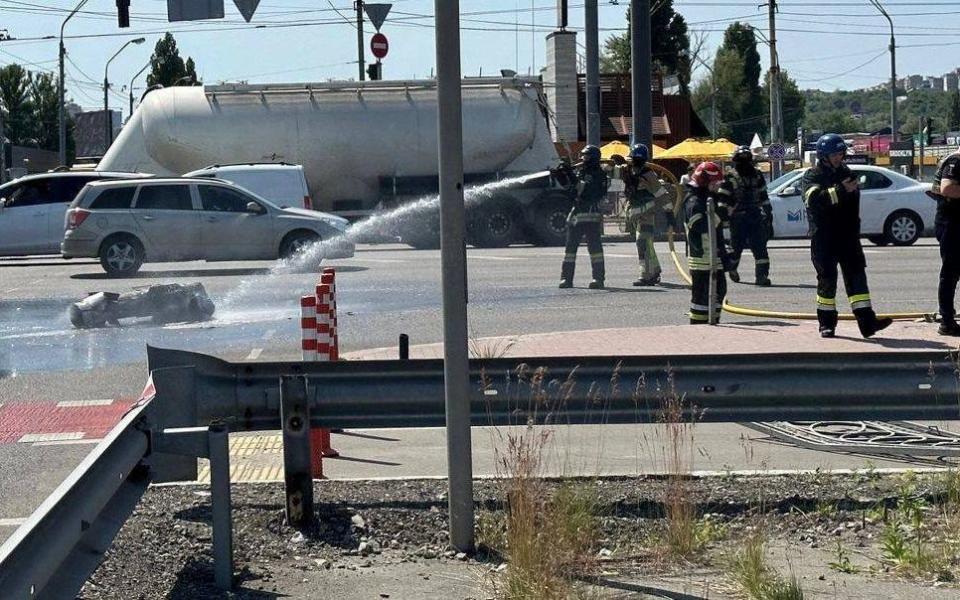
point(756, 312)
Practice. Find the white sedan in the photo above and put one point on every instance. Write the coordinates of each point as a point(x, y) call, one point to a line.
point(893, 208)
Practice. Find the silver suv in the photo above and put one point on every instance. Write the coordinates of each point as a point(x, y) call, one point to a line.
point(127, 223)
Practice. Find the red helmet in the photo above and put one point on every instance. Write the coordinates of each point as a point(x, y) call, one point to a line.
point(707, 173)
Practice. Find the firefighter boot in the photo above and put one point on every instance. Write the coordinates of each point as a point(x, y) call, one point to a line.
point(596, 284)
point(868, 322)
point(647, 280)
point(763, 273)
point(734, 276)
point(949, 327)
point(828, 322)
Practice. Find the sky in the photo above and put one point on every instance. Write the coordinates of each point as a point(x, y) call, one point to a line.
point(826, 45)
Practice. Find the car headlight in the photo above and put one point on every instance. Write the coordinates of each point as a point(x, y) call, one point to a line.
point(338, 223)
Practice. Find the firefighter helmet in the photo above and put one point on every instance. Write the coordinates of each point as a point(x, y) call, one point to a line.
point(707, 173)
point(830, 143)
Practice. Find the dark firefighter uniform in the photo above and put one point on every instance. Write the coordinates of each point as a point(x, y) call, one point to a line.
point(947, 229)
point(834, 217)
point(698, 256)
point(646, 197)
point(586, 220)
point(744, 191)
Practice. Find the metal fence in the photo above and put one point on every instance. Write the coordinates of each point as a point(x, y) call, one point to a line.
point(200, 398)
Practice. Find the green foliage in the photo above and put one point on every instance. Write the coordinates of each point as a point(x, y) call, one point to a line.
point(727, 90)
point(869, 110)
point(30, 103)
point(842, 562)
point(669, 45)
point(757, 579)
point(953, 122)
point(793, 103)
point(166, 66)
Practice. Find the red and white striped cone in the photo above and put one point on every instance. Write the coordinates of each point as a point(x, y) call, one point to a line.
point(320, 438)
point(334, 332)
point(308, 328)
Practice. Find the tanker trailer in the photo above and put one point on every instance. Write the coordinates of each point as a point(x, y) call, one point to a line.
point(364, 146)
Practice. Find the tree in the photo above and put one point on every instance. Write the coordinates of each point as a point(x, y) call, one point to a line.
point(954, 119)
point(751, 116)
point(45, 99)
point(726, 89)
point(669, 45)
point(793, 103)
point(16, 105)
point(166, 66)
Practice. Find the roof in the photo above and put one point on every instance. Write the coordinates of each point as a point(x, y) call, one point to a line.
point(137, 181)
point(264, 166)
point(64, 174)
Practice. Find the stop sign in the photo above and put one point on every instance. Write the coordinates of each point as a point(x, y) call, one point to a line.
point(379, 45)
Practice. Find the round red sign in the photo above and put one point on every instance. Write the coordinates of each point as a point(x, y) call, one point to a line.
point(379, 45)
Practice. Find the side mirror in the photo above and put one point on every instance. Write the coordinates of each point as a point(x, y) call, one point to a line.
point(254, 208)
point(790, 190)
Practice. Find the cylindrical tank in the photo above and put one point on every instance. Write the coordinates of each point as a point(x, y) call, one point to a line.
point(346, 136)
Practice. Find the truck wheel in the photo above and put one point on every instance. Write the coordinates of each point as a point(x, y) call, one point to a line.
point(121, 255)
point(494, 224)
point(549, 224)
point(421, 231)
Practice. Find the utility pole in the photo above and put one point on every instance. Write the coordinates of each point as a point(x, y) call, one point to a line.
point(640, 73)
point(893, 72)
point(62, 117)
point(3, 151)
point(358, 5)
point(591, 30)
point(453, 271)
point(776, 117)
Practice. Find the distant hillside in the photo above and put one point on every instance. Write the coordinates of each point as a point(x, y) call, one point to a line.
point(863, 110)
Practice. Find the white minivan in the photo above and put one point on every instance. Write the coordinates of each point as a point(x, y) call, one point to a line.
point(283, 184)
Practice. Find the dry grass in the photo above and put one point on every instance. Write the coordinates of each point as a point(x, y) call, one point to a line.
point(756, 579)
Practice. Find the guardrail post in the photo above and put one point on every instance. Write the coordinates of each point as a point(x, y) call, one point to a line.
point(404, 347)
point(298, 480)
point(219, 447)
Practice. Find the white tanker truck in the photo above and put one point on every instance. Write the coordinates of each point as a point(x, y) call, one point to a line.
point(365, 147)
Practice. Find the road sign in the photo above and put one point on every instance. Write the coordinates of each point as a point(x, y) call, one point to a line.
point(247, 8)
point(776, 151)
point(379, 45)
point(377, 13)
point(194, 10)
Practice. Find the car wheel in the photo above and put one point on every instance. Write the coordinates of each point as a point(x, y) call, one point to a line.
point(295, 243)
point(878, 240)
point(550, 220)
point(903, 228)
point(121, 255)
point(494, 224)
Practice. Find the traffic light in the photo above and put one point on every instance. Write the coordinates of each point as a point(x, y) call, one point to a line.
point(123, 13)
point(375, 71)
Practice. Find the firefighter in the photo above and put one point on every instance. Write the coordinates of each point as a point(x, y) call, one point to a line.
point(586, 218)
point(946, 191)
point(646, 196)
point(832, 197)
point(751, 218)
point(703, 184)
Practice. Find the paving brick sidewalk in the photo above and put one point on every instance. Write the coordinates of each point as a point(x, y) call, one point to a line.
point(733, 338)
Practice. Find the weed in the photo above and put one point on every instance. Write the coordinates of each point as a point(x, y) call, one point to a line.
point(756, 578)
point(842, 562)
point(490, 348)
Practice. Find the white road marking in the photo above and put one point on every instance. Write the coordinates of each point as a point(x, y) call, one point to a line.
point(50, 437)
point(14, 522)
point(79, 403)
point(377, 260)
point(255, 354)
point(269, 334)
point(612, 255)
point(87, 441)
point(485, 257)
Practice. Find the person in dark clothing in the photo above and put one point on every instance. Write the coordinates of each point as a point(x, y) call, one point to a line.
point(586, 218)
point(946, 191)
point(832, 196)
point(745, 193)
point(703, 184)
point(646, 197)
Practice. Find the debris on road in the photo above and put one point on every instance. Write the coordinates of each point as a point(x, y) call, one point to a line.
point(162, 303)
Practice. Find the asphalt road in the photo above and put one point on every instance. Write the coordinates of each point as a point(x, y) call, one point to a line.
point(383, 291)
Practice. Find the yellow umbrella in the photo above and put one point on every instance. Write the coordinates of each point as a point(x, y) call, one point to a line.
point(607, 151)
point(694, 149)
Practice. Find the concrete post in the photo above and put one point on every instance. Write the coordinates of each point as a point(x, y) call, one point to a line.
point(592, 33)
point(640, 68)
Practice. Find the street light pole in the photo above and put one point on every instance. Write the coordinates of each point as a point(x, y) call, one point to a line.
point(130, 89)
point(713, 98)
point(108, 126)
point(893, 72)
point(61, 116)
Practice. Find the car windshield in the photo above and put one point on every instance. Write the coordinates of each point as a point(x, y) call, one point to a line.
point(781, 181)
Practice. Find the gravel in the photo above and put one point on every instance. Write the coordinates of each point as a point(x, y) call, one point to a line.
point(164, 550)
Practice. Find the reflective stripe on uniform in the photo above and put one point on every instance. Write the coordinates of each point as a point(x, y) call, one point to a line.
point(587, 218)
point(861, 304)
point(699, 307)
point(761, 261)
point(858, 298)
point(570, 257)
point(813, 189)
point(698, 317)
point(834, 198)
point(724, 191)
point(694, 219)
point(826, 301)
point(598, 257)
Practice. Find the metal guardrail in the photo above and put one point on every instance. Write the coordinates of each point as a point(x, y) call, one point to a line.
point(54, 552)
